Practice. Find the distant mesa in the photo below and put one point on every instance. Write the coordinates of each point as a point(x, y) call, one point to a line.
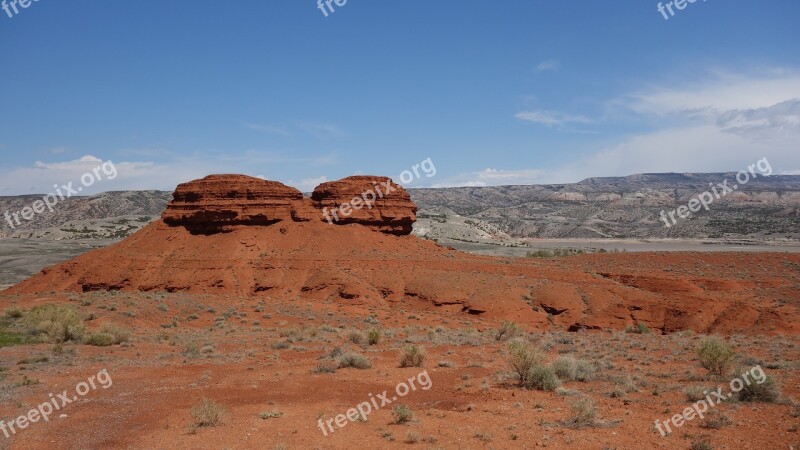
point(218, 203)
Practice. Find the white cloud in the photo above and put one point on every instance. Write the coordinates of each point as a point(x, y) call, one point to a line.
point(718, 93)
point(724, 123)
point(322, 130)
point(551, 118)
point(550, 64)
point(308, 184)
point(267, 129)
point(702, 148)
point(774, 123)
point(494, 177)
point(40, 177)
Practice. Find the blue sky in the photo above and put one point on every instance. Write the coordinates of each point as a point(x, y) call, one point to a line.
point(511, 92)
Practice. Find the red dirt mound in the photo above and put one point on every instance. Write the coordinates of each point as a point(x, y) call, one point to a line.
point(239, 235)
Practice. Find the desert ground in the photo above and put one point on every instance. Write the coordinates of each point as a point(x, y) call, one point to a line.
point(266, 362)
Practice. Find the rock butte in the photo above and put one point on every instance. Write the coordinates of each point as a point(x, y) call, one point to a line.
point(393, 211)
point(233, 234)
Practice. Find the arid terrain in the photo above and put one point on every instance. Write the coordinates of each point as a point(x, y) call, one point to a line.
point(243, 319)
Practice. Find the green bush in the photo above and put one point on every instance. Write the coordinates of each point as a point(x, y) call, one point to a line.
point(412, 356)
point(54, 323)
point(523, 357)
point(715, 355)
point(541, 378)
point(373, 336)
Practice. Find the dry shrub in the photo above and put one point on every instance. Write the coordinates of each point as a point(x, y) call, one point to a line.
point(108, 334)
point(541, 378)
point(569, 368)
point(54, 323)
point(207, 413)
point(354, 360)
point(584, 413)
point(715, 355)
point(412, 356)
point(523, 357)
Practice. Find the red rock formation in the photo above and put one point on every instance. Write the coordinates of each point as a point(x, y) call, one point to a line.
point(376, 202)
point(217, 202)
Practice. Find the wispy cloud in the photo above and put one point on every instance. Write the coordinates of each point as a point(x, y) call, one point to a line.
point(550, 64)
point(494, 177)
point(720, 91)
point(724, 122)
point(777, 122)
point(269, 157)
point(551, 118)
point(322, 130)
point(39, 177)
point(267, 129)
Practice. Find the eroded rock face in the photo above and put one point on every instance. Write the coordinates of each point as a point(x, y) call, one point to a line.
point(375, 202)
point(215, 202)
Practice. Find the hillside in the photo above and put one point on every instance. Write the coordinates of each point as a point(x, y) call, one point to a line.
point(624, 207)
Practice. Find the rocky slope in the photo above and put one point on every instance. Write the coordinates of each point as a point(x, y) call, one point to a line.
point(107, 215)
